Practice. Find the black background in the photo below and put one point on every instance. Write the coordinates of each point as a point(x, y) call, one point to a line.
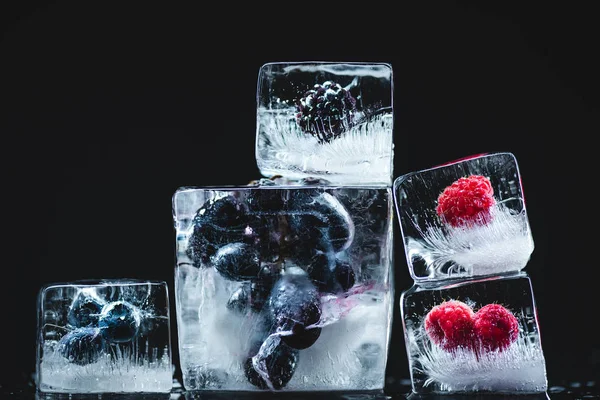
point(108, 109)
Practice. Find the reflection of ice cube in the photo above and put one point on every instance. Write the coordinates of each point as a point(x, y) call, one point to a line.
point(104, 337)
point(518, 368)
point(323, 136)
point(500, 242)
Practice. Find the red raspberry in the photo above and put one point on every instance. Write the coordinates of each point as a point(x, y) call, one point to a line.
point(495, 327)
point(450, 325)
point(466, 202)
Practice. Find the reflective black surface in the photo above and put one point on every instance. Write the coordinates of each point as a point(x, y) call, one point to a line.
point(395, 390)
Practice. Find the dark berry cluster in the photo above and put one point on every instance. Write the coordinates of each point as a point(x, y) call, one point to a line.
point(286, 251)
point(326, 111)
point(95, 326)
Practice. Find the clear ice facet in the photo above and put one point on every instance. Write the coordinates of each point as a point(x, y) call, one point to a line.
point(108, 336)
point(283, 287)
point(466, 218)
point(479, 335)
point(326, 120)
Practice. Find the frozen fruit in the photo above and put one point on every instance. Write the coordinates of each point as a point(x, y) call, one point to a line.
point(85, 309)
point(217, 222)
point(466, 202)
point(450, 325)
point(119, 322)
point(250, 296)
point(321, 221)
point(276, 360)
point(326, 111)
point(295, 305)
point(495, 327)
point(82, 346)
point(237, 262)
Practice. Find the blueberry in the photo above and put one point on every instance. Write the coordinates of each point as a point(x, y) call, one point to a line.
point(263, 233)
point(239, 300)
point(82, 346)
point(320, 271)
point(85, 309)
point(249, 296)
point(321, 220)
point(331, 274)
point(278, 360)
point(119, 322)
point(294, 305)
point(238, 262)
point(344, 275)
point(217, 222)
point(267, 200)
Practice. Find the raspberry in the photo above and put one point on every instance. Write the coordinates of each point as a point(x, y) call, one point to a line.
point(495, 327)
point(466, 202)
point(450, 325)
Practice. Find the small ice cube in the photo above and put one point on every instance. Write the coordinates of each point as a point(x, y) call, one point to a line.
point(474, 336)
point(326, 119)
point(464, 218)
point(104, 337)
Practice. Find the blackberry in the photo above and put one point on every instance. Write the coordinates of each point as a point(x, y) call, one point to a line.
point(326, 111)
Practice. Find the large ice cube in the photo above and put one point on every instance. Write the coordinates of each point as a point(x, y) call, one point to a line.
point(109, 336)
point(479, 335)
point(283, 287)
point(465, 218)
point(326, 119)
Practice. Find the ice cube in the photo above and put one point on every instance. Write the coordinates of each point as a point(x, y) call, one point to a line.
point(283, 287)
point(478, 335)
point(326, 120)
point(105, 336)
point(464, 218)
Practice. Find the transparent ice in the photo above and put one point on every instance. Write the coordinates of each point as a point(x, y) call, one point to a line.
point(518, 369)
point(326, 135)
point(436, 250)
point(109, 336)
point(216, 340)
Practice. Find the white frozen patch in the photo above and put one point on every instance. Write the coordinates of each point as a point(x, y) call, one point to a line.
point(502, 245)
point(520, 368)
point(334, 362)
point(363, 154)
point(376, 71)
point(126, 374)
point(213, 341)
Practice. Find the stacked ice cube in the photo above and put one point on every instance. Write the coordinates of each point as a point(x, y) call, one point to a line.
point(470, 320)
point(286, 283)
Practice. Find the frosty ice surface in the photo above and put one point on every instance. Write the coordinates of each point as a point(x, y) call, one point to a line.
point(465, 218)
point(283, 287)
point(326, 119)
point(108, 336)
point(477, 335)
